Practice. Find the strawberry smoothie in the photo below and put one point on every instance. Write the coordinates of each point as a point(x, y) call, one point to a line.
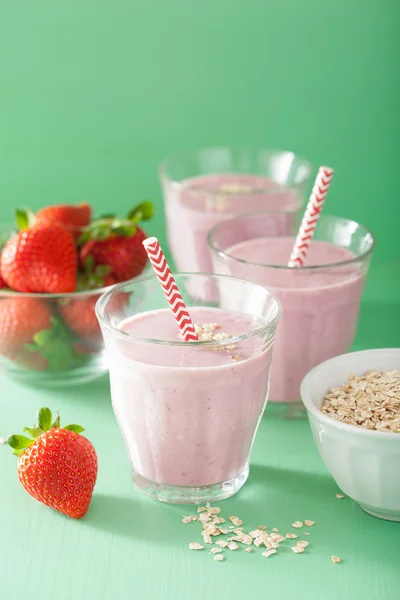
point(197, 204)
point(188, 411)
point(319, 306)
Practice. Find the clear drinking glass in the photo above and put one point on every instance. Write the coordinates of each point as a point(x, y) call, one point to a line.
point(188, 412)
point(320, 303)
point(204, 187)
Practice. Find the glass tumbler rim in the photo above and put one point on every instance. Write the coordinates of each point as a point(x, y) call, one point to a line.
point(304, 268)
point(177, 183)
point(101, 304)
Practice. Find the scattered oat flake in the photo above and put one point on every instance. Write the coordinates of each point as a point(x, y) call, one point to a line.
point(224, 531)
point(248, 549)
point(297, 549)
point(340, 496)
point(222, 543)
point(275, 529)
point(291, 536)
point(258, 541)
point(195, 546)
point(218, 557)
point(214, 510)
point(233, 546)
point(186, 520)
point(236, 520)
point(201, 509)
point(302, 543)
point(336, 559)
point(276, 537)
point(215, 550)
point(255, 533)
point(247, 540)
point(262, 527)
point(268, 553)
point(299, 524)
point(207, 539)
point(306, 533)
point(309, 523)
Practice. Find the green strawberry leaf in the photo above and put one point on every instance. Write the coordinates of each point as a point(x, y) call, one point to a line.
point(24, 218)
point(125, 230)
point(89, 264)
point(106, 216)
point(44, 418)
point(142, 212)
point(33, 431)
point(74, 428)
point(56, 423)
point(43, 337)
point(19, 442)
point(55, 345)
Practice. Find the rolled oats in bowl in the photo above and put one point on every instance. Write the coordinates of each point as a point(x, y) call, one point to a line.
point(370, 401)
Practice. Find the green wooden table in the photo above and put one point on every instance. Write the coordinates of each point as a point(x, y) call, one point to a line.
point(128, 546)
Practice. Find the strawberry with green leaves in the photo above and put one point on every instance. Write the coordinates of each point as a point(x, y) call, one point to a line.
point(117, 243)
point(40, 258)
point(32, 337)
point(56, 465)
point(21, 318)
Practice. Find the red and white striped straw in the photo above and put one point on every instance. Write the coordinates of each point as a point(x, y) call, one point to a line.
point(170, 289)
point(311, 216)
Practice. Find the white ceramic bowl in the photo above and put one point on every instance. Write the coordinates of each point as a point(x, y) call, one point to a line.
point(365, 464)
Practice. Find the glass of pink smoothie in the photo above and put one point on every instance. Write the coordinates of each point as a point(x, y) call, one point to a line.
point(189, 411)
point(204, 187)
point(320, 301)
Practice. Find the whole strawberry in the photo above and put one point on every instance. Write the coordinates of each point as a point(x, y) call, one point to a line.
point(21, 318)
point(40, 258)
point(56, 465)
point(117, 243)
point(80, 317)
point(31, 336)
point(74, 217)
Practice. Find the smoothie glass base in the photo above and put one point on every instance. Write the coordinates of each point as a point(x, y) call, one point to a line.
point(174, 494)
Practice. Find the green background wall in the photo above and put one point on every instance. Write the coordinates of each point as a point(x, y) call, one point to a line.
point(94, 94)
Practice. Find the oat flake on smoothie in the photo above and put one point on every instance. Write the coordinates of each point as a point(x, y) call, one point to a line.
point(370, 401)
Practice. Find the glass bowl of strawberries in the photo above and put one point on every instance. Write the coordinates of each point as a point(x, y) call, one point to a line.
point(54, 265)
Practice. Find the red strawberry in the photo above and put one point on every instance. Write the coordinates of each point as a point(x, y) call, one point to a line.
point(125, 256)
point(117, 243)
point(2, 283)
point(79, 316)
point(74, 216)
point(42, 258)
point(21, 319)
point(58, 466)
